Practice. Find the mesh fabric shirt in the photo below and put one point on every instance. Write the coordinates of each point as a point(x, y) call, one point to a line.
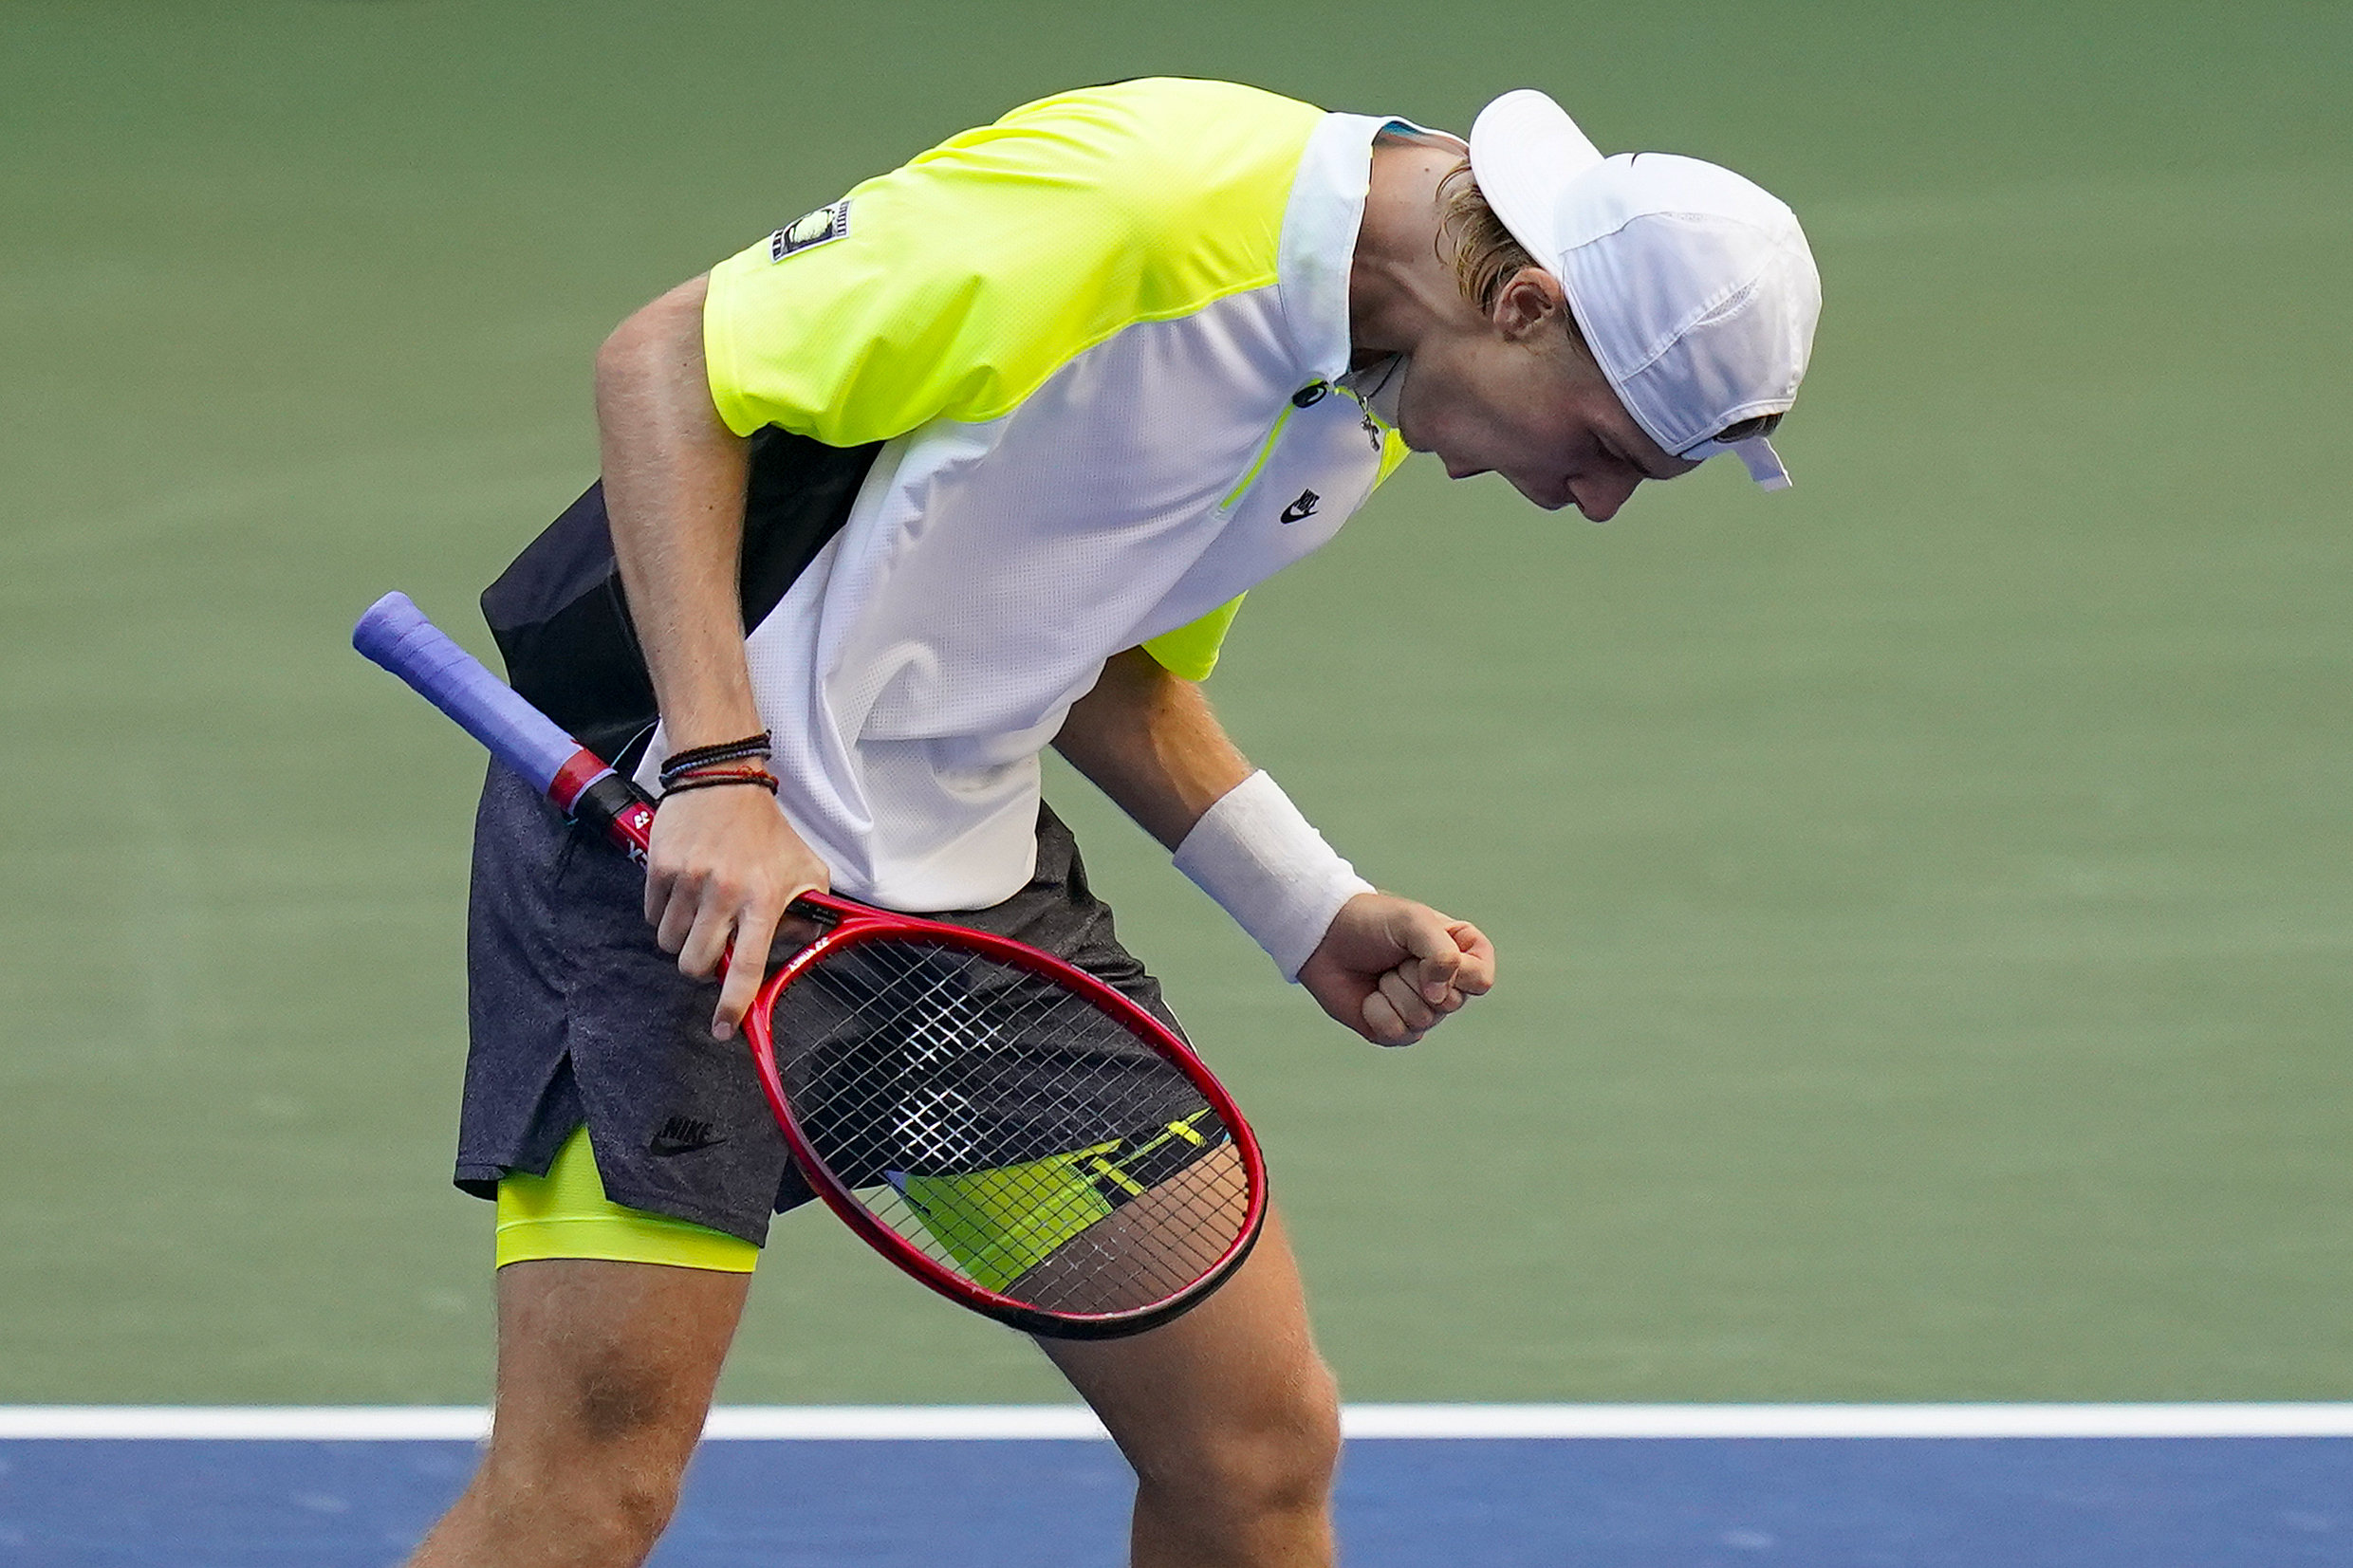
point(1100, 339)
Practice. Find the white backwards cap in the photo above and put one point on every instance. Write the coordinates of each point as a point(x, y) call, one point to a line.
point(1694, 288)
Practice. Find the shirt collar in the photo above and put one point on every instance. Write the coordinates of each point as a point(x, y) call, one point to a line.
point(1320, 226)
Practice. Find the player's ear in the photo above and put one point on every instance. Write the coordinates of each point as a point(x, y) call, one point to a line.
point(1529, 302)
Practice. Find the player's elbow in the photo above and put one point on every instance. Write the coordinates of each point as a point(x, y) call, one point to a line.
point(627, 359)
point(654, 341)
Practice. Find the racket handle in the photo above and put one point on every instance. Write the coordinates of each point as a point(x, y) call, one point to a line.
point(396, 635)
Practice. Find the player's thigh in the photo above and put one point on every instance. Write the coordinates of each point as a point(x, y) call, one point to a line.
point(603, 1362)
point(1231, 1390)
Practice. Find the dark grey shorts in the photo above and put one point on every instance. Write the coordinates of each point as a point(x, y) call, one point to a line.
point(576, 1016)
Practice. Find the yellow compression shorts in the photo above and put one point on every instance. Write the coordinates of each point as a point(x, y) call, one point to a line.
point(996, 1222)
point(565, 1214)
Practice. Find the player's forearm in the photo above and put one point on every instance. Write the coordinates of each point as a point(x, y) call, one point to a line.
point(674, 489)
point(1147, 739)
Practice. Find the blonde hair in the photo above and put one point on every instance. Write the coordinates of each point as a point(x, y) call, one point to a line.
point(1484, 257)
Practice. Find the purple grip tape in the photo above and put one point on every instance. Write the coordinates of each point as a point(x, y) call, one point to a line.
point(396, 635)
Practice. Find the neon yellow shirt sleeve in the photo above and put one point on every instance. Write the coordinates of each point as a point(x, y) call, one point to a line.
point(958, 282)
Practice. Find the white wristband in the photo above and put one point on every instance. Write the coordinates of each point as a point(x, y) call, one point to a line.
point(1268, 868)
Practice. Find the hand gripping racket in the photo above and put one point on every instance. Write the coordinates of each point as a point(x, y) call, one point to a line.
point(1007, 1129)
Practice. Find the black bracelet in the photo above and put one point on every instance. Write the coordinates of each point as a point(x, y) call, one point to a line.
point(750, 747)
point(713, 781)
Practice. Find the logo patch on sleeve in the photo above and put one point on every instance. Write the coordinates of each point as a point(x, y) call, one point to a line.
point(818, 227)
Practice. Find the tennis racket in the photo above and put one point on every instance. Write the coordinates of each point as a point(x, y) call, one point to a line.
point(1008, 1130)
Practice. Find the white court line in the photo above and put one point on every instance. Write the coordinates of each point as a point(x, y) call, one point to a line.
point(1970, 1420)
point(466, 1423)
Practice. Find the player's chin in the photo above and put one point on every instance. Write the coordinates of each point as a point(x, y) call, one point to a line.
point(1552, 498)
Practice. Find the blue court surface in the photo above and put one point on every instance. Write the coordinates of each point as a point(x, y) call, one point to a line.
point(1028, 1500)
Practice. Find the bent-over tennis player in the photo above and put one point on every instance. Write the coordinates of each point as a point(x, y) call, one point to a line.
point(976, 460)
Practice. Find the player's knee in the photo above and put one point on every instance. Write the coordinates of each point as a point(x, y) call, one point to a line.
point(1276, 1456)
point(602, 1461)
point(616, 1526)
point(1303, 1453)
point(635, 1511)
point(608, 1508)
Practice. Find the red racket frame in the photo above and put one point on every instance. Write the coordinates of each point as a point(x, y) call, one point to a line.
point(587, 790)
point(855, 923)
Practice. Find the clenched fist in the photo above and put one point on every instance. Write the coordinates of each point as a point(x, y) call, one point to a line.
point(1391, 968)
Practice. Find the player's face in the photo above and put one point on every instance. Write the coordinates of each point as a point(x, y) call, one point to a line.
point(1521, 399)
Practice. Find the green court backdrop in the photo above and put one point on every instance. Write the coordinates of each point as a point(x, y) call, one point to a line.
point(1923, 897)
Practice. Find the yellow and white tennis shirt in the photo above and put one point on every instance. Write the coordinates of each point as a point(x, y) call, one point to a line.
point(1103, 339)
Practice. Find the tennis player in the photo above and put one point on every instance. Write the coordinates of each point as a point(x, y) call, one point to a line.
point(979, 459)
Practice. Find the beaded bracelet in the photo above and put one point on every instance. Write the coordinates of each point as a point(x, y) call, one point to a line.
point(750, 748)
point(716, 777)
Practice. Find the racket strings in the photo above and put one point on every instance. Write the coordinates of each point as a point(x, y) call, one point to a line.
point(1015, 1132)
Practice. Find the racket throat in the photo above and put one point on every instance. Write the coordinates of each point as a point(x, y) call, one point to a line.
point(607, 803)
point(824, 913)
